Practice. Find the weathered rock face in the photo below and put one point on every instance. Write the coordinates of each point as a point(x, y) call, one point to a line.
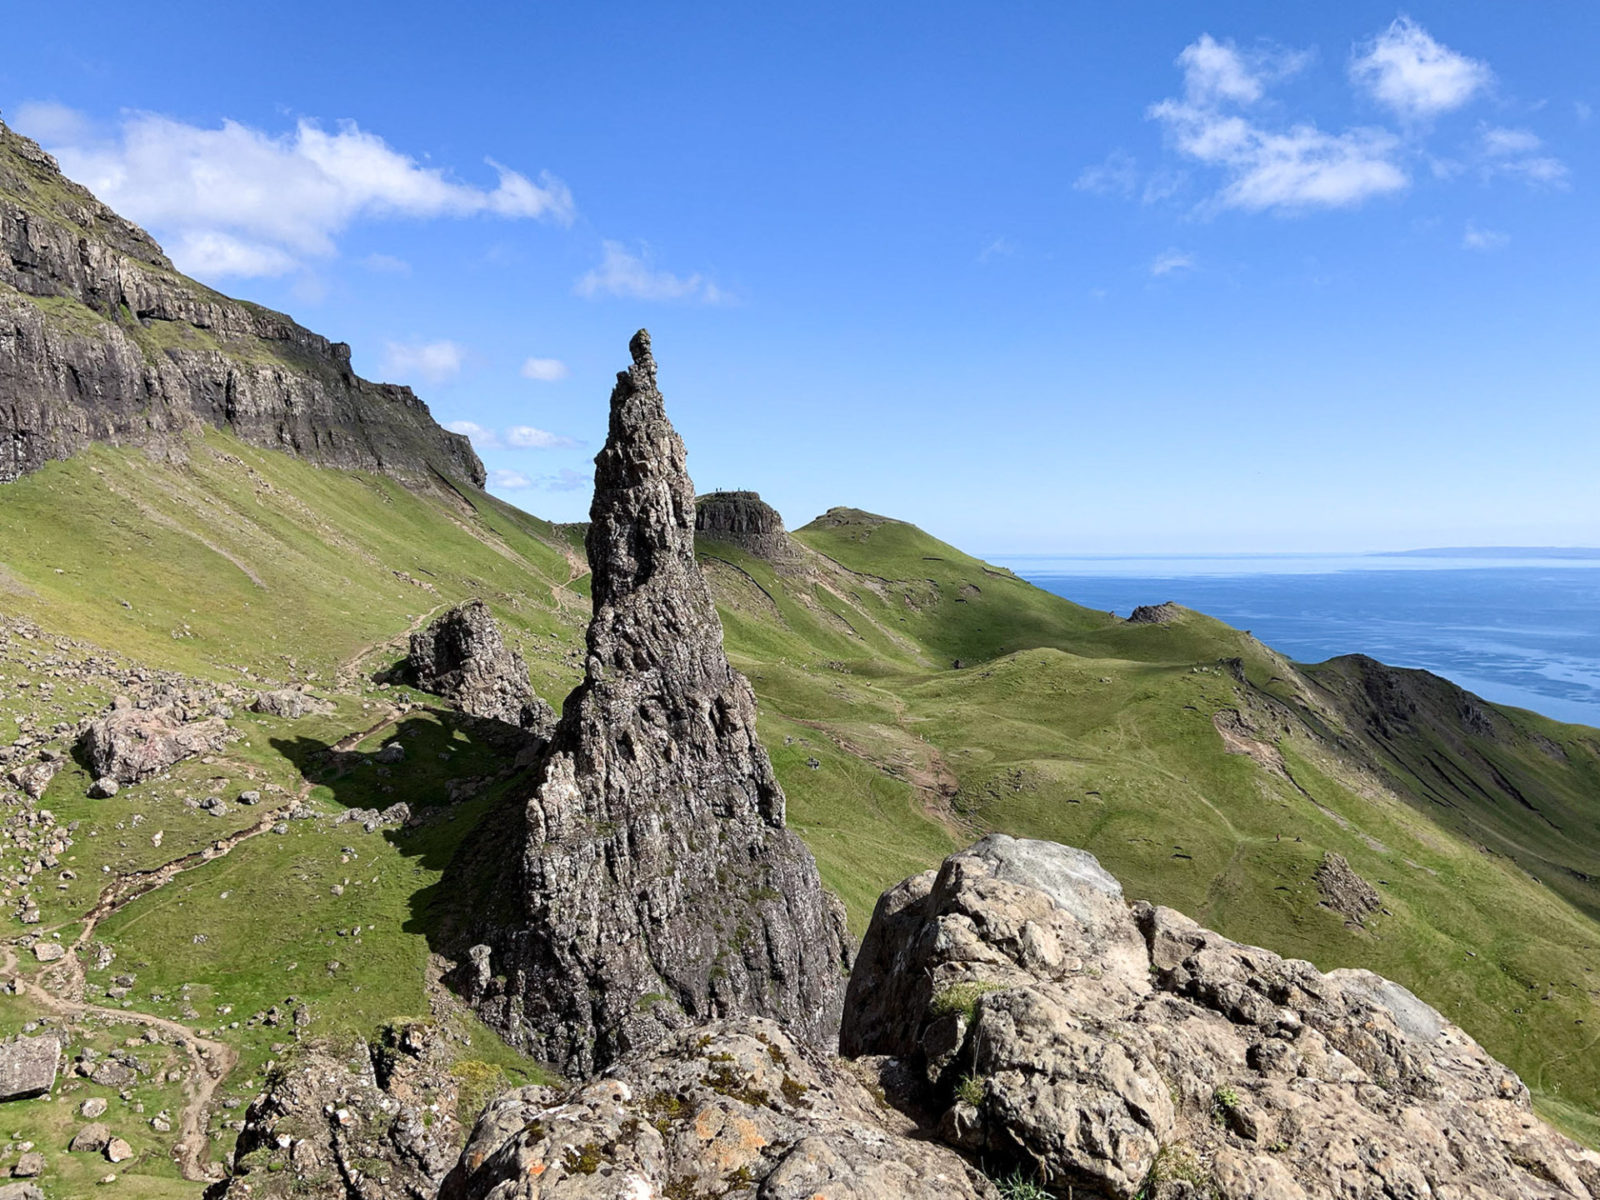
point(462, 657)
point(369, 1124)
point(1155, 614)
point(734, 1108)
point(658, 885)
point(28, 1066)
point(102, 340)
point(745, 520)
point(1123, 1051)
point(130, 744)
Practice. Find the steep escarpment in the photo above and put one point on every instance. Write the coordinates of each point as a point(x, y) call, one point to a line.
point(657, 884)
point(747, 521)
point(102, 340)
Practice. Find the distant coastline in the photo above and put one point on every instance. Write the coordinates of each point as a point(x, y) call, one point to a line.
point(1494, 552)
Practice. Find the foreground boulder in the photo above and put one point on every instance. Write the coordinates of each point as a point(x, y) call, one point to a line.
point(290, 704)
point(355, 1123)
point(131, 744)
point(657, 884)
point(462, 657)
point(734, 1108)
point(1123, 1051)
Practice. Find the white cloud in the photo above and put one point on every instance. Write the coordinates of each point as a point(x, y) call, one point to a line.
point(1000, 247)
point(511, 481)
point(530, 438)
point(1172, 260)
point(1300, 169)
point(238, 200)
point(545, 370)
point(622, 273)
point(1405, 70)
point(1477, 238)
point(434, 362)
point(482, 439)
point(51, 124)
point(566, 480)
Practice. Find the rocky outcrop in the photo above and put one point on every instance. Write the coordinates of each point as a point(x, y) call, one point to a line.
point(363, 1123)
point(1121, 1051)
point(735, 1108)
point(131, 744)
point(657, 884)
point(462, 657)
point(1343, 891)
point(745, 520)
point(28, 1066)
point(289, 703)
point(1155, 614)
point(101, 339)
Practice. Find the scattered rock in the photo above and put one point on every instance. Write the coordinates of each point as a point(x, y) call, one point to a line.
point(118, 1150)
point(93, 1107)
point(91, 1139)
point(28, 1066)
point(290, 704)
point(29, 1166)
point(34, 778)
point(131, 744)
point(656, 881)
point(20, 1191)
point(1342, 890)
point(104, 788)
point(47, 952)
point(462, 657)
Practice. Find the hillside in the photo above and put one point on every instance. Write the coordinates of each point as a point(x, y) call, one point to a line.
point(101, 340)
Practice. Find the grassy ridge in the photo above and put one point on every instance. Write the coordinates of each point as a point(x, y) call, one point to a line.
point(1061, 722)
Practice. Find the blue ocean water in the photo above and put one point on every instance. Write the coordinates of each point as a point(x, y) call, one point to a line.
point(1521, 631)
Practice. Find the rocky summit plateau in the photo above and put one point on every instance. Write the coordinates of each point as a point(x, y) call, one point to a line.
point(365, 837)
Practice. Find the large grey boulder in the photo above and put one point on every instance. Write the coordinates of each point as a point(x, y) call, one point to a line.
point(657, 884)
point(131, 744)
point(1125, 1051)
point(28, 1066)
point(462, 657)
point(734, 1108)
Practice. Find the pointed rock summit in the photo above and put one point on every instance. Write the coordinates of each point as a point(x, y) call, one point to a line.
point(657, 884)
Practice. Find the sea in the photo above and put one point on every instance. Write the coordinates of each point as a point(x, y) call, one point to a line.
point(1518, 627)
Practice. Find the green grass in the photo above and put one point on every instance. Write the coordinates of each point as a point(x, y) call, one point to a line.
point(1062, 722)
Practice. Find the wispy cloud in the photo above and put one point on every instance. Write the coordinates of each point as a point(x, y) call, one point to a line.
point(241, 201)
point(1118, 175)
point(433, 362)
point(1170, 261)
point(624, 273)
point(1000, 247)
point(1285, 170)
point(1476, 237)
point(511, 481)
point(386, 264)
point(545, 370)
point(565, 480)
point(1407, 71)
point(1517, 153)
point(529, 438)
point(482, 439)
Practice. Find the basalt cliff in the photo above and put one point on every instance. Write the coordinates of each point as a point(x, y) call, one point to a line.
point(657, 885)
point(103, 340)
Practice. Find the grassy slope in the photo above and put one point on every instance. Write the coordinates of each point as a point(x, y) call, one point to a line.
point(1062, 722)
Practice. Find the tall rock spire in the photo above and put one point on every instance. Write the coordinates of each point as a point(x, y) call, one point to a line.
point(658, 885)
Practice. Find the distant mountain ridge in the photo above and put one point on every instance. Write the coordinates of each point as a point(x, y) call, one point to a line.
point(103, 340)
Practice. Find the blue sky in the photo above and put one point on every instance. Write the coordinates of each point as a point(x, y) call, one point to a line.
point(1039, 277)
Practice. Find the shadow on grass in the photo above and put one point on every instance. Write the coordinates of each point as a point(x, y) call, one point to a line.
point(455, 774)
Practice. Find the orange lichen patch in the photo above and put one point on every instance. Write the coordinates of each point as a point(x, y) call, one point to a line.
point(537, 1169)
point(731, 1140)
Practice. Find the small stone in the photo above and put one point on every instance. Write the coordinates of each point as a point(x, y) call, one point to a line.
point(94, 1106)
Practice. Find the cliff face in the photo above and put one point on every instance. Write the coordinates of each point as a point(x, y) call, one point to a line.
point(658, 884)
point(745, 520)
point(101, 339)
